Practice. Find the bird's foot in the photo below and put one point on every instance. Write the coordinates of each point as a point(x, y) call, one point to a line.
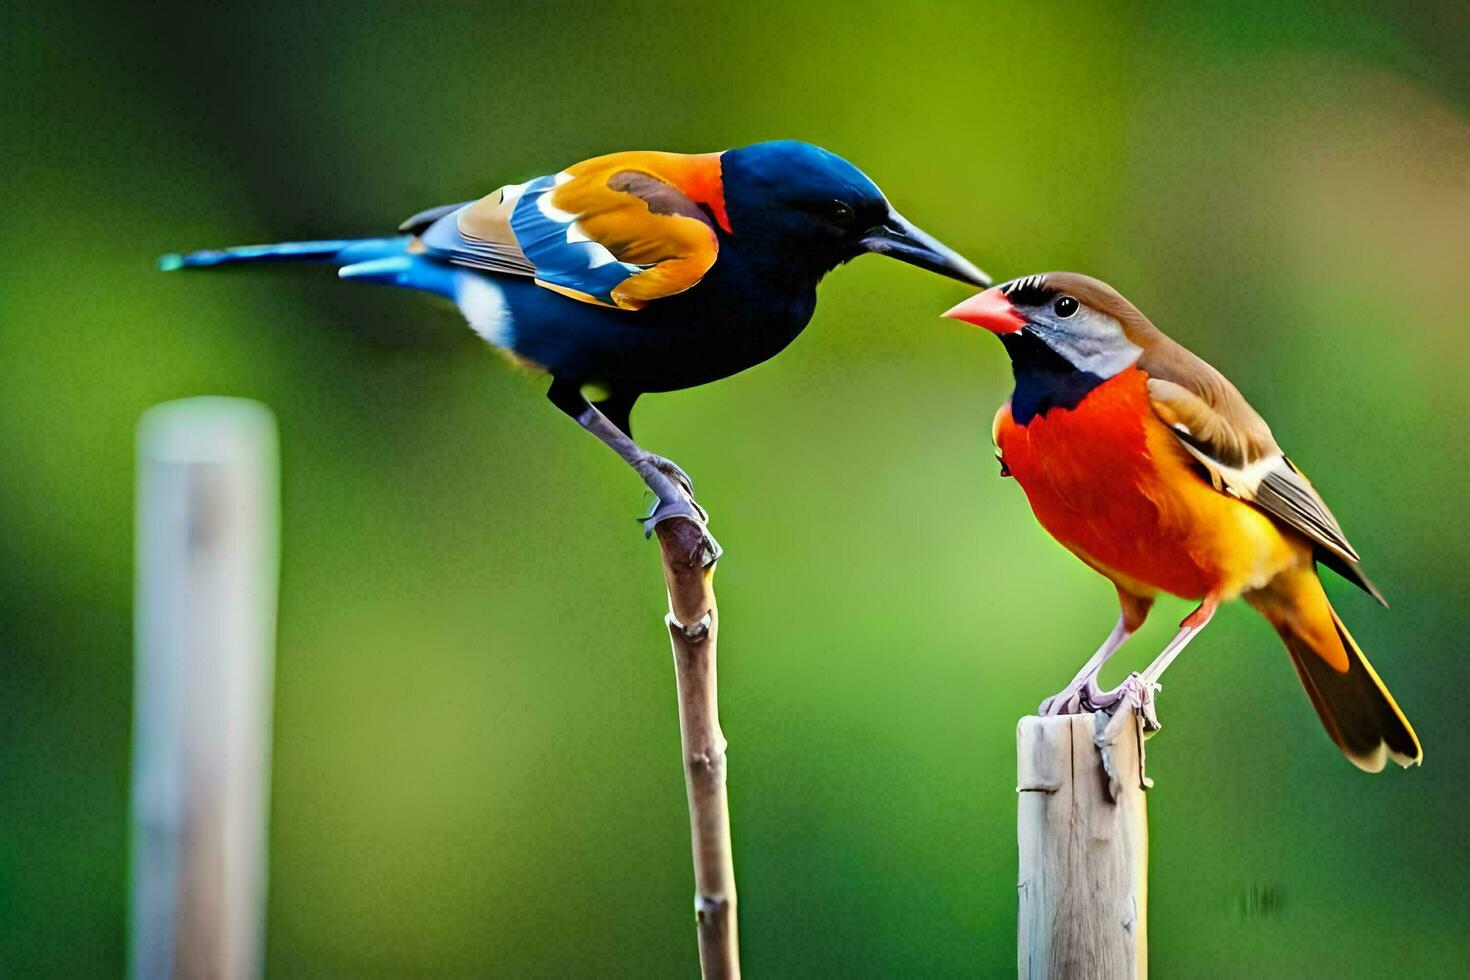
point(1134, 694)
point(1068, 702)
point(674, 493)
point(672, 470)
point(1074, 700)
point(686, 507)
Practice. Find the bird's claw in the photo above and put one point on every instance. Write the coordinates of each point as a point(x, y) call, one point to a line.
point(1061, 703)
point(672, 470)
point(1134, 694)
point(1071, 701)
point(685, 507)
point(674, 497)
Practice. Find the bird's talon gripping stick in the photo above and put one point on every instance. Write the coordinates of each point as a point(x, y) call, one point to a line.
point(693, 624)
point(687, 509)
point(1082, 691)
point(671, 486)
point(1134, 699)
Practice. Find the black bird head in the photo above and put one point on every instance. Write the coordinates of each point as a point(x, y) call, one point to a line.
point(813, 210)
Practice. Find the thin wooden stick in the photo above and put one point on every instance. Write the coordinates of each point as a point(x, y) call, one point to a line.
point(1082, 828)
point(693, 628)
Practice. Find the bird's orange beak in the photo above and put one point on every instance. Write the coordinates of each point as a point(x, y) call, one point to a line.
point(990, 310)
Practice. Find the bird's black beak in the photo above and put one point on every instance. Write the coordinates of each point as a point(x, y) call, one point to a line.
point(900, 239)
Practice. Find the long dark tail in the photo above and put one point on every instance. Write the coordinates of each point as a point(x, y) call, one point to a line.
point(384, 260)
point(1353, 703)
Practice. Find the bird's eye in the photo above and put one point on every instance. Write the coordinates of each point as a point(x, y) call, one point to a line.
point(1065, 306)
point(842, 213)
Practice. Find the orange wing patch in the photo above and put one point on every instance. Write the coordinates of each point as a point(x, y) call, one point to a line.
point(634, 205)
point(621, 230)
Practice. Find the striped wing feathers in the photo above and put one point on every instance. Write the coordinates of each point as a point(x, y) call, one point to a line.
point(618, 230)
point(1237, 450)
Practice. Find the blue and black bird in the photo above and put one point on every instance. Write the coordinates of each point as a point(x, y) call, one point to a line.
point(638, 272)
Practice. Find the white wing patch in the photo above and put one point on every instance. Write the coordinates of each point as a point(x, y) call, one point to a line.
point(1274, 485)
point(1238, 481)
point(596, 254)
point(554, 213)
point(1250, 475)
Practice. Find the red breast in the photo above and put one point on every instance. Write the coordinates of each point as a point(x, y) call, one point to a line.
point(1103, 484)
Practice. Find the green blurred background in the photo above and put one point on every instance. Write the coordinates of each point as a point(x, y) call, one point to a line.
point(476, 758)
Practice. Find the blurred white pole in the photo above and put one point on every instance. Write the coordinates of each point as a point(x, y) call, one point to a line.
point(205, 623)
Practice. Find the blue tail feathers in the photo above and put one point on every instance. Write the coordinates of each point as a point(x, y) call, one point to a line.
point(328, 251)
point(384, 260)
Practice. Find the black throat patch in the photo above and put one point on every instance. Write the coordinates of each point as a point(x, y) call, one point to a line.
point(1044, 378)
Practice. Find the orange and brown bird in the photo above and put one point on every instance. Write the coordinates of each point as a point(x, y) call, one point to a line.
point(1151, 467)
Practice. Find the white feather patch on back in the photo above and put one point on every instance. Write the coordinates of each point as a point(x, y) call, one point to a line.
point(552, 212)
point(483, 304)
point(598, 254)
point(600, 257)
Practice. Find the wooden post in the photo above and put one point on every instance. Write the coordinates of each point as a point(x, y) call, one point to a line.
point(693, 629)
point(204, 621)
point(1082, 827)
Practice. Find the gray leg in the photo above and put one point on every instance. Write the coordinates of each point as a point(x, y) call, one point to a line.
point(1137, 692)
point(1078, 695)
point(669, 483)
point(1083, 694)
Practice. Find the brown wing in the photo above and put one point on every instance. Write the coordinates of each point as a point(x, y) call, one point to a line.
point(475, 234)
point(1221, 430)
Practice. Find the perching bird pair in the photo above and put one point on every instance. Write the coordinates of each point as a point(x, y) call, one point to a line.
point(644, 272)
